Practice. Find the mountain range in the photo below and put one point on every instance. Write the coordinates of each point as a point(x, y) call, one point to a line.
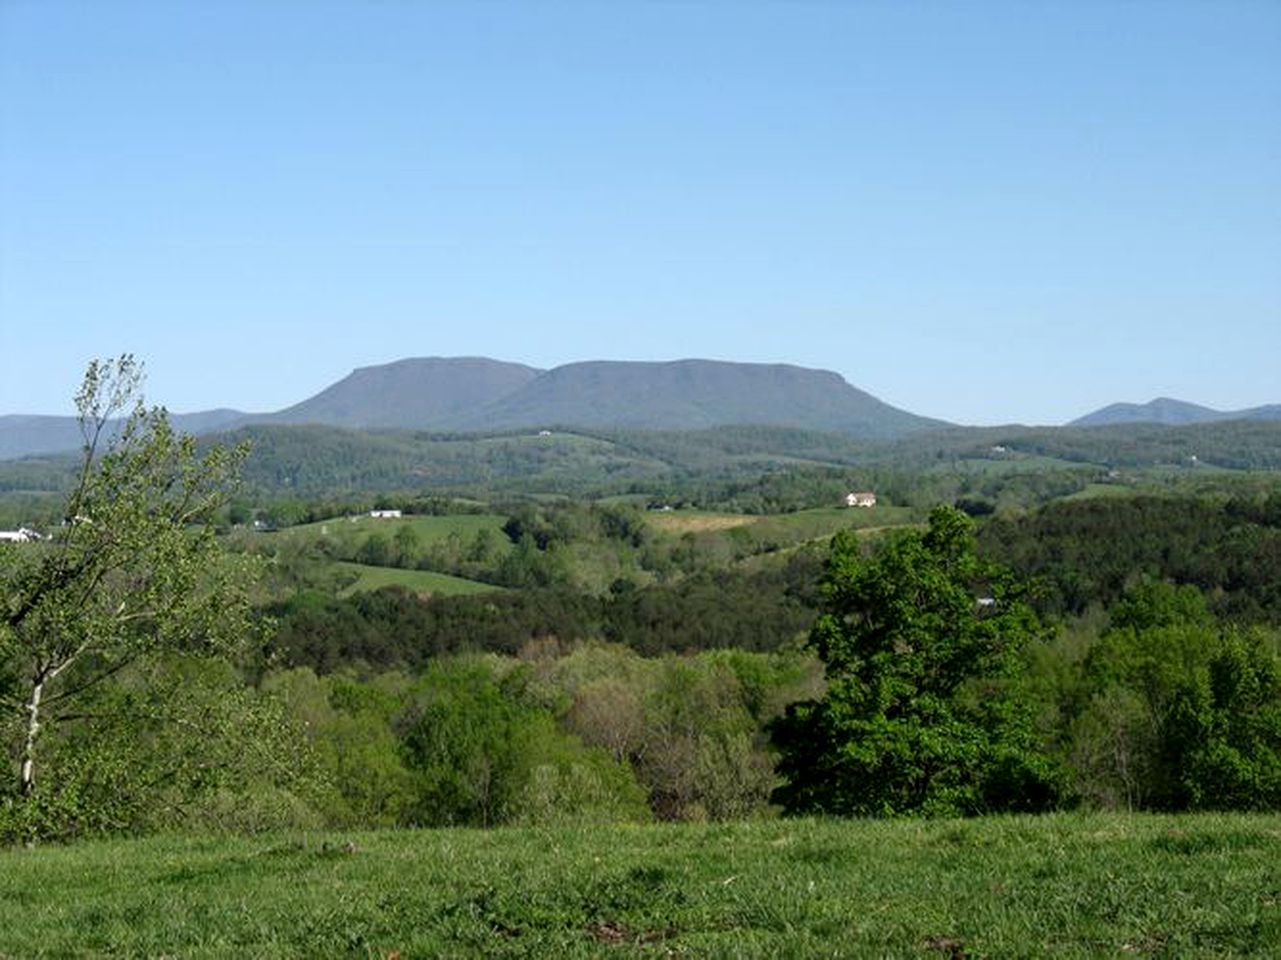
point(479, 395)
point(1170, 412)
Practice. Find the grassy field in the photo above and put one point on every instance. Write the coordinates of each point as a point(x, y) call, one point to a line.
point(420, 581)
point(427, 528)
point(1063, 886)
point(791, 527)
point(680, 522)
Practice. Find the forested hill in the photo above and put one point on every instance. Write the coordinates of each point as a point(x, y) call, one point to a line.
point(414, 394)
point(23, 436)
point(478, 395)
point(1165, 410)
point(694, 395)
point(311, 460)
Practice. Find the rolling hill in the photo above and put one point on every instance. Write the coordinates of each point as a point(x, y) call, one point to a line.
point(24, 436)
point(1171, 412)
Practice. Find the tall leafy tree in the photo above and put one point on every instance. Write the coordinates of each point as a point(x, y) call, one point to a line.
point(133, 570)
point(921, 644)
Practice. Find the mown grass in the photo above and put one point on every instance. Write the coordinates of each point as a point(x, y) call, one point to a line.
point(419, 581)
point(1063, 886)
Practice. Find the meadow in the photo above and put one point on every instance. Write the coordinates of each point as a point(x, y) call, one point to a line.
point(1067, 885)
point(426, 529)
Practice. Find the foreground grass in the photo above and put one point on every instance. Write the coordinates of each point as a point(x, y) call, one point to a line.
point(1066, 886)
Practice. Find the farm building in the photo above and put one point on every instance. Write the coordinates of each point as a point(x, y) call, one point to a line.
point(21, 535)
point(862, 499)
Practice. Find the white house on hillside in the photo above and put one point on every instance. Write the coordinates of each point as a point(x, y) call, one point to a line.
point(385, 514)
point(864, 498)
point(21, 535)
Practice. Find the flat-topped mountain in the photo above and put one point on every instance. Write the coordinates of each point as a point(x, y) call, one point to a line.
point(693, 395)
point(1171, 412)
point(415, 394)
point(479, 395)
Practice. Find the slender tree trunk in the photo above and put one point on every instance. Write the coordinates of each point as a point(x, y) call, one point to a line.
point(33, 731)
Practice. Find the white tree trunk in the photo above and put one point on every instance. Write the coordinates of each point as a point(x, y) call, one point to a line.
point(33, 730)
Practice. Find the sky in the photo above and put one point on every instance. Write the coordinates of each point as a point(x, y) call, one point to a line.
point(983, 212)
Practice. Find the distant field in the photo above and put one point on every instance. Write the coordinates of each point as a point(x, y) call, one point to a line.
point(427, 528)
point(419, 581)
point(1062, 886)
point(783, 528)
point(809, 524)
point(695, 521)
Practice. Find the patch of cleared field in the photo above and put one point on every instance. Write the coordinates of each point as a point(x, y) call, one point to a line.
point(427, 528)
point(691, 521)
point(419, 581)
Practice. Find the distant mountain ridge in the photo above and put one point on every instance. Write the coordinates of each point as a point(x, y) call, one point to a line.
point(1171, 412)
point(24, 435)
point(693, 395)
point(478, 394)
point(412, 394)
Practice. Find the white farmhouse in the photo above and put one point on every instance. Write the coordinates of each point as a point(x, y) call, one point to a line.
point(864, 498)
point(21, 535)
point(385, 514)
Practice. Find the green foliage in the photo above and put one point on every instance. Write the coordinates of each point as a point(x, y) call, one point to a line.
point(920, 643)
point(349, 726)
point(461, 743)
point(1174, 710)
point(479, 756)
point(1224, 731)
point(170, 743)
point(134, 571)
point(1092, 551)
point(691, 727)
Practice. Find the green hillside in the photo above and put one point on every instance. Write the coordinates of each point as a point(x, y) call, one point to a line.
point(694, 394)
point(413, 394)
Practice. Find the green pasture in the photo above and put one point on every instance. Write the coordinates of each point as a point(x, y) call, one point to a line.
point(1061, 886)
point(428, 529)
point(749, 536)
point(419, 581)
point(813, 524)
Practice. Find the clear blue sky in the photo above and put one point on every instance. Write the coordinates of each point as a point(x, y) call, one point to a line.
point(986, 212)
